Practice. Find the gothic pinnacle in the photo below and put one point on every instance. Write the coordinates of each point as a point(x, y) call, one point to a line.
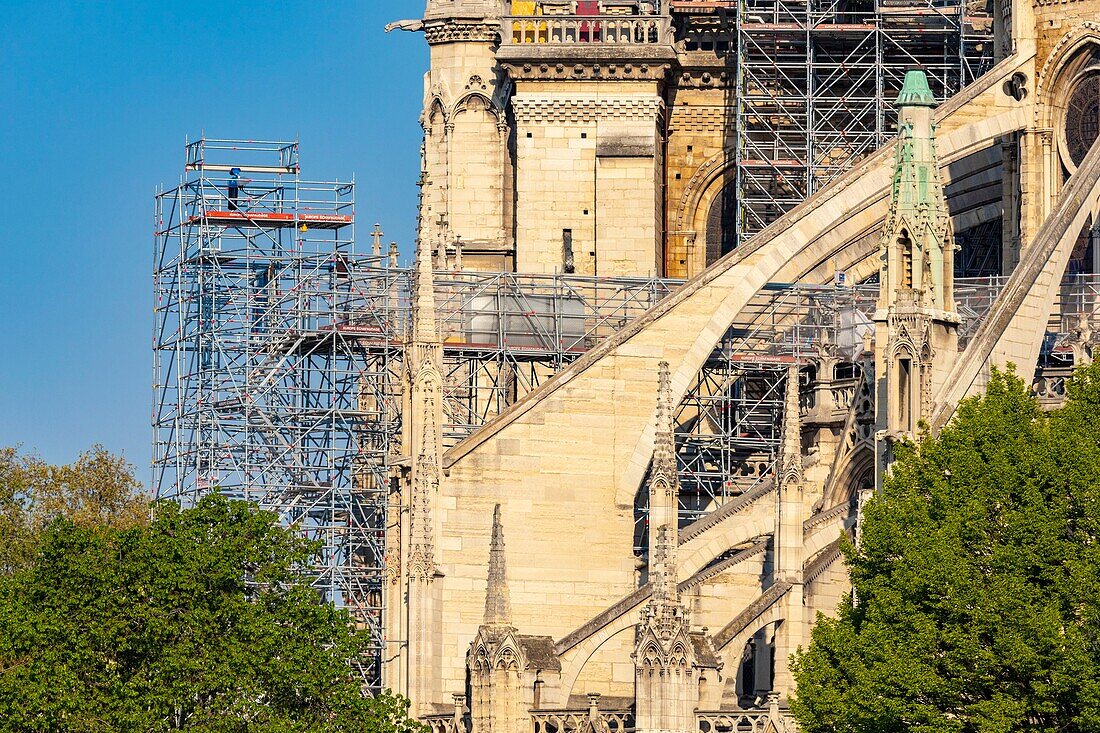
point(424, 324)
point(663, 580)
point(664, 449)
point(498, 607)
point(791, 468)
point(425, 482)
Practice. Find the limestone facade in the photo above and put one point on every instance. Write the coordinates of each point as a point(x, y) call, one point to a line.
point(609, 161)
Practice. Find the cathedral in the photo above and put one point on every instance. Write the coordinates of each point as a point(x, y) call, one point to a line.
point(861, 210)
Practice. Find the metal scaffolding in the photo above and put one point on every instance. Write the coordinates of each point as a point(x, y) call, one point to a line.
point(279, 355)
point(815, 84)
point(506, 333)
point(274, 348)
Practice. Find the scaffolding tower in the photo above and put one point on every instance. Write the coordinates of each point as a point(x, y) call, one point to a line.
point(274, 353)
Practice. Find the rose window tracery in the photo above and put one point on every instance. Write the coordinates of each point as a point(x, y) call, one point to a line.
point(1082, 125)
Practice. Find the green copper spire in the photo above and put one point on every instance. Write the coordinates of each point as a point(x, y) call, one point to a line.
point(915, 91)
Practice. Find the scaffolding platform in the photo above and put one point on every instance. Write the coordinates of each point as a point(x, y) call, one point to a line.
point(271, 219)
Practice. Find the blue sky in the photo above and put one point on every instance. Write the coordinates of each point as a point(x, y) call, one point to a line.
point(96, 99)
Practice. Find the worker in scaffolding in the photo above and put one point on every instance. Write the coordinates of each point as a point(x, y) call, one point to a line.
point(236, 185)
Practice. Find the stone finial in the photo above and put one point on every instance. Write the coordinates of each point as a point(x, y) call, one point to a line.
point(596, 722)
point(664, 448)
point(376, 235)
point(791, 452)
point(498, 607)
point(915, 91)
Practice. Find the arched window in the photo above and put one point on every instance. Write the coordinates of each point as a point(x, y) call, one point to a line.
point(1082, 125)
point(722, 223)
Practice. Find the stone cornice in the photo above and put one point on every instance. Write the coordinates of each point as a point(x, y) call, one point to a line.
point(580, 62)
point(589, 71)
point(538, 109)
point(451, 30)
point(714, 77)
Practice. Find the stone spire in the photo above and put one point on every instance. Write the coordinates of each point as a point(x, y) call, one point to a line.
point(498, 607)
point(426, 379)
point(788, 542)
point(502, 677)
point(425, 370)
point(664, 606)
point(663, 478)
point(664, 449)
point(916, 326)
point(665, 686)
point(917, 242)
point(791, 452)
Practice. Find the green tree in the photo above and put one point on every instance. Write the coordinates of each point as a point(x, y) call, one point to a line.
point(98, 489)
point(976, 581)
point(197, 622)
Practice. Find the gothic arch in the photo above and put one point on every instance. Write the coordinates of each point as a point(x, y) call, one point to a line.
point(858, 463)
point(1068, 64)
point(460, 105)
point(904, 348)
point(734, 649)
point(652, 654)
point(583, 653)
point(701, 190)
point(433, 108)
point(1048, 84)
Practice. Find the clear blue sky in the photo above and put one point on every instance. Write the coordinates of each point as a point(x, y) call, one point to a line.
point(96, 99)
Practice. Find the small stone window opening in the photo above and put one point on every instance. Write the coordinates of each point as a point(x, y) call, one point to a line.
point(905, 381)
point(906, 246)
point(567, 251)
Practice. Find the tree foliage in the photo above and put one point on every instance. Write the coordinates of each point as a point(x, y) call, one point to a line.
point(198, 622)
point(976, 581)
point(98, 489)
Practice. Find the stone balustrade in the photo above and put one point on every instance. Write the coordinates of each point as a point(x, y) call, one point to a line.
point(570, 721)
point(446, 723)
point(622, 721)
point(619, 30)
point(742, 721)
point(1049, 386)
